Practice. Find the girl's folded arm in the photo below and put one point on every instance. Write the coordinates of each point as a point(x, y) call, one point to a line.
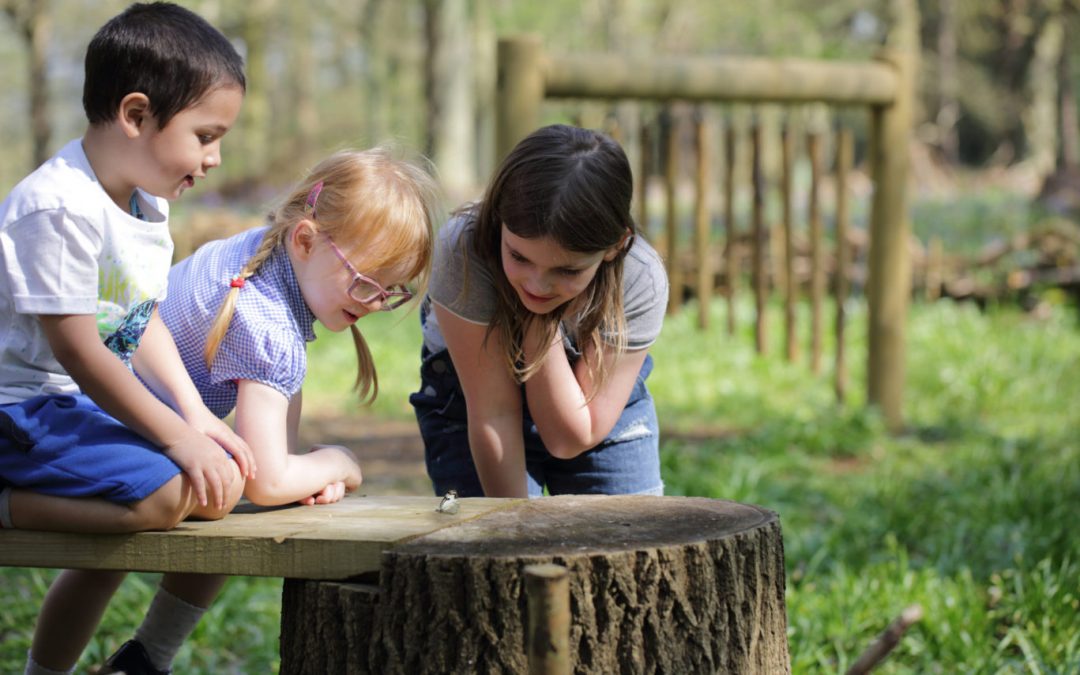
point(263, 419)
point(573, 414)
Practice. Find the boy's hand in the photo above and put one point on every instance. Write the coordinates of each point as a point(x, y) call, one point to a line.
point(334, 492)
point(207, 466)
point(216, 429)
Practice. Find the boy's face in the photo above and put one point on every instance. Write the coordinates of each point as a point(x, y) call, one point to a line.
point(188, 146)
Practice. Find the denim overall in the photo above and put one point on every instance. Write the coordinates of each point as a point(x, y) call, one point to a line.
point(626, 462)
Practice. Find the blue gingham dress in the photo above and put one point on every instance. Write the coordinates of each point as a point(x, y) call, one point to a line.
point(267, 339)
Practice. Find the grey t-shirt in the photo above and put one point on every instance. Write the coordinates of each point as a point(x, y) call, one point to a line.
point(645, 287)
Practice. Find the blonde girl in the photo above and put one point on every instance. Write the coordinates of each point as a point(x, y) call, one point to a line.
point(350, 239)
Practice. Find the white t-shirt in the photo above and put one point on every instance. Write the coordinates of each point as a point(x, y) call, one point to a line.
point(471, 294)
point(67, 248)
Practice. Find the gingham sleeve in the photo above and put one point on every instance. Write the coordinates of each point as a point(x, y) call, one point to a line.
point(271, 354)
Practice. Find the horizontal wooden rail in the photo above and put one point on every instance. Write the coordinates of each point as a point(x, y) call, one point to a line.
point(741, 79)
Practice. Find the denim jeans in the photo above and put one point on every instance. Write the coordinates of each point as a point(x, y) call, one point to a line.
point(626, 462)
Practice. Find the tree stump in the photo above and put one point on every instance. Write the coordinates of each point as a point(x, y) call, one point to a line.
point(657, 585)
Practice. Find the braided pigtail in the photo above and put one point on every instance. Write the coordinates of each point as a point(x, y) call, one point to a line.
point(274, 236)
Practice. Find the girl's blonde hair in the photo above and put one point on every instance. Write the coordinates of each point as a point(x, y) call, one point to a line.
point(374, 204)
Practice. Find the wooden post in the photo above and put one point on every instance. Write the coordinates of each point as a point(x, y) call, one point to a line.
point(547, 644)
point(759, 242)
point(731, 261)
point(656, 584)
point(844, 157)
point(671, 223)
point(702, 224)
point(519, 91)
point(790, 337)
point(817, 268)
point(889, 281)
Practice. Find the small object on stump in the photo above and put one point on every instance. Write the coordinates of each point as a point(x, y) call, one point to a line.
point(547, 587)
point(449, 503)
point(886, 642)
point(657, 584)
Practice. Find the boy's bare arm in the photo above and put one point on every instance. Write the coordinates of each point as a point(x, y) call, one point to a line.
point(158, 363)
point(104, 378)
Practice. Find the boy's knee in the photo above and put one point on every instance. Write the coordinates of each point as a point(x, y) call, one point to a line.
point(232, 496)
point(162, 510)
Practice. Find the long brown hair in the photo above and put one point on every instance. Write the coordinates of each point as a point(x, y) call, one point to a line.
point(574, 186)
point(371, 201)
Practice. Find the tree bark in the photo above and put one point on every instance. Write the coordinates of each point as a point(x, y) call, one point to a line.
point(948, 106)
point(1040, 116)
point(448, 88)
point(657, 584)
point(255, 129)
point(33, 21)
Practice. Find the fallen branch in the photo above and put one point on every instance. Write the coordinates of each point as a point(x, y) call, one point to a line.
point(885, 642)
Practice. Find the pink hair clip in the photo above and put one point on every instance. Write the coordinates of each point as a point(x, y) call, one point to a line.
point(312, 198)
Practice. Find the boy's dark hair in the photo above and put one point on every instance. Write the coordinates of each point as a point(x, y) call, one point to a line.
point(162, 50)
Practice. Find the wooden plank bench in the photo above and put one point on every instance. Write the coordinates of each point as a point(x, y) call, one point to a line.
point(388, 584)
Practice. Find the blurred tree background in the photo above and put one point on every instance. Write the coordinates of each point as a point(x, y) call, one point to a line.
point(998, 78)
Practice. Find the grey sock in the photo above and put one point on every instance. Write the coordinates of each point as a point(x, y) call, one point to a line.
point(168, 622)
point(35, 668)
point(5, 508)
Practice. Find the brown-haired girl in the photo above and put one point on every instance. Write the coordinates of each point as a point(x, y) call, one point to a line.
point(540, 313)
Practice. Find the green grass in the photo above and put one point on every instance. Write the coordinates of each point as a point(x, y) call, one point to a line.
point(968, 513)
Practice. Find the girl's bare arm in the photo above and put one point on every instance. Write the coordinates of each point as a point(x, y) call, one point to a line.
point(494, 405)
point(569, 422)
point(263, 421)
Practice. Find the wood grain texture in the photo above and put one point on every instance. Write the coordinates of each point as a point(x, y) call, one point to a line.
point(333, 541)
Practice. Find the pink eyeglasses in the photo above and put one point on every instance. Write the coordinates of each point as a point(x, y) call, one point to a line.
point(363, 288)
point(366, 290)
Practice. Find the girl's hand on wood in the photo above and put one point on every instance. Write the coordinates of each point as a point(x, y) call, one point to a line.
point(334, 492)
point(350, 464)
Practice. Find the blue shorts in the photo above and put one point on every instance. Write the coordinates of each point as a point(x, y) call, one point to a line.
point(626, 462)
point(69, 447)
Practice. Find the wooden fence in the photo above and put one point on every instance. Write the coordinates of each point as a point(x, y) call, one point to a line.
point(885, 86)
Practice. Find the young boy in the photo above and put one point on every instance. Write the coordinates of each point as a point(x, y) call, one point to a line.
point(85, 446)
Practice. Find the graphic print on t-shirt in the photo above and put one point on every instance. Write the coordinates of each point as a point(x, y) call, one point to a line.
point(125, 339)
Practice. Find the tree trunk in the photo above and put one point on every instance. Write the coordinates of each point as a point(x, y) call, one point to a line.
point(255, 128)
point(1069, 159)
point(302, 117)
point(657, 584)
point(448, 89)
point(484, 58)
point(1041, 114)
point(949, 106)
point(33, 21)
